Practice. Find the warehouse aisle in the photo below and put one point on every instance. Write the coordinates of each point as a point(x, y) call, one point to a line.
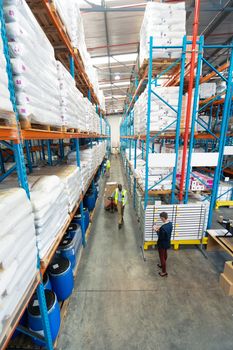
point(120, 302)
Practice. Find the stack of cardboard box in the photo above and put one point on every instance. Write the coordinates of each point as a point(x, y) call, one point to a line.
point(226, 278)
point(109, 189)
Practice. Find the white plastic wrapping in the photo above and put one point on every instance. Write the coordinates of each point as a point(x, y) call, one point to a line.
point(16, 260)
point(5, 102)
point(33, 65)
point(166, 23)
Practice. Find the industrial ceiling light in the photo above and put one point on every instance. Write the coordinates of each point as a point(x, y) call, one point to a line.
point(117, 77)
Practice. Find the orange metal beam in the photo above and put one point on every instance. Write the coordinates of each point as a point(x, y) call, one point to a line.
point(34, 134)
point(213, 74)
point(8, 133)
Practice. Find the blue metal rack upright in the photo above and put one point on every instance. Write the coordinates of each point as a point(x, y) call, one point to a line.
point(219, 141)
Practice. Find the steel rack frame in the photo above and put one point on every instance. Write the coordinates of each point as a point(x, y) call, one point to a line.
point(219, 140)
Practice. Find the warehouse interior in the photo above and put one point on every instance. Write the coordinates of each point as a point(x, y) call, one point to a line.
point(95, 94)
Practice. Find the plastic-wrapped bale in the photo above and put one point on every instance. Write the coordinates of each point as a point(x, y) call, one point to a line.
point(70, 175)
point(6, 109)
point(166, 23)
point(50, 207)
point(161, 116)
point(18, 262)
point(72, 102)
point(33, 65)
point(72, 19)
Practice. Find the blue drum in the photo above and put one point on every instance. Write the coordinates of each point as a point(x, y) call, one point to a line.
point(66, 249)
point(22, 322)
point(89, 200)
point(74, 231)
point(77, 218)
point(34, 316)
point(61, 277)
point(46, 282)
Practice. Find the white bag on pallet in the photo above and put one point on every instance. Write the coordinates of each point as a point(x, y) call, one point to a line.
point(17, 225)
point(33, 65)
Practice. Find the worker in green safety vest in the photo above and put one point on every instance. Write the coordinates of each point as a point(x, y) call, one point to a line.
point(120, 199)
point(108, 166)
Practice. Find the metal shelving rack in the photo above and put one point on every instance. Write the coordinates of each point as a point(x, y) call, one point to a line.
point(147, 140)
point(218, 141)
point(19, 142)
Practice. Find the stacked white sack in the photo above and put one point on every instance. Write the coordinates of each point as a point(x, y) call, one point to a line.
point(155, 175)
point(161, 116)
point(72, 102)
point(207, 90)
point(33, 64)
point(166, 23)
point(17, 261)
point(50, 207)
point(70, 176)
point(5, 102)
point(71, 17)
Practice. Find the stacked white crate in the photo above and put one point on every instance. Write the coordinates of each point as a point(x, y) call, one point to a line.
point(166, 23)
point(189, 220)
point(18, 253)
point(72, 102)
point(33, 65)
point(6, 108)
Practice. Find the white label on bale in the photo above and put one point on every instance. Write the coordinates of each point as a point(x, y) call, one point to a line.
point(36, 303)
point(55, 266)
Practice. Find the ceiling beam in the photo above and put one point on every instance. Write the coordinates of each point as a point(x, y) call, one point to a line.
point(218, 19)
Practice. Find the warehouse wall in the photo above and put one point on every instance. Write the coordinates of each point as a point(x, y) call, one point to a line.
point(114, 121)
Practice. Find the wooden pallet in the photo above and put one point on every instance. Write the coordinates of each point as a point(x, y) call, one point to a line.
point(7, 118)
point(27, 125)
point(73, 130)
point(158, 66)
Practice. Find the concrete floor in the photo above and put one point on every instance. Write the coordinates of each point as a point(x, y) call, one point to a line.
point(121, 303)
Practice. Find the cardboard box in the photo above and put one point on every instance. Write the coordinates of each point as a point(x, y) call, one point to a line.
point(228, 270)
point(226, 285)
point(109, 189)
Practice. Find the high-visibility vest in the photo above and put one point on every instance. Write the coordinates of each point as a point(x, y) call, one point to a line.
point(123, 193)
point(108, 164)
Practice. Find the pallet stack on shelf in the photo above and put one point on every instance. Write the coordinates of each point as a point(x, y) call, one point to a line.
point(154, 154)
point(24, 150)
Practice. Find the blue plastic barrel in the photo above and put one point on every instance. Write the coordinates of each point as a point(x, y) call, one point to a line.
point(34, 316)
point(61, 277)
point(66, 249)
point(89, 200)
point(74, 232)
point(72, 229)
point(23, 322)
point(77, 218)
point(46, 282)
